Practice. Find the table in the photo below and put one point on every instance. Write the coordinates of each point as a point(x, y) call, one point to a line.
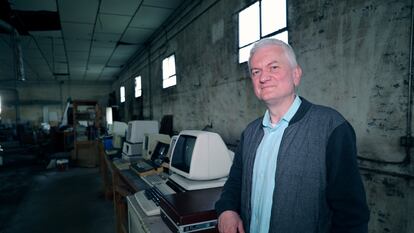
point(105, 169)
point(119, 182)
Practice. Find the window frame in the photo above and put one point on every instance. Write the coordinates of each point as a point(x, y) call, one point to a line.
point(122, 94)
point(269, 35)
point(169, 75)
point(135, 86)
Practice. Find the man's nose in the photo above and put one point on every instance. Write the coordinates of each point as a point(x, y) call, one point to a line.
point(265, 76)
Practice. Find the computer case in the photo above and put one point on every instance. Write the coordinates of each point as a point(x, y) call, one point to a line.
point(191, 211)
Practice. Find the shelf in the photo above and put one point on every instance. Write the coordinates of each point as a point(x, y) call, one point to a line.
point(86, 135)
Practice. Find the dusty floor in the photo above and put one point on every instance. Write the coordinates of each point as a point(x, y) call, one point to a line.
point(35, 199)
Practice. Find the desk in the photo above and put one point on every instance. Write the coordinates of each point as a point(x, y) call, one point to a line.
point(142, 223)
point(125, 183)
point(120, 183)
point(105, 169)
point(117, 187)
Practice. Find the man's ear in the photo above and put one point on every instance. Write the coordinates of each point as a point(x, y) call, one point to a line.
point(297, 75)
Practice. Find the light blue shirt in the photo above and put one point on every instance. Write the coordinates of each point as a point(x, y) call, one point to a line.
point(264, 170)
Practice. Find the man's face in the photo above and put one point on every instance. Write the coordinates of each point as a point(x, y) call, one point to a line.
point(273, 77)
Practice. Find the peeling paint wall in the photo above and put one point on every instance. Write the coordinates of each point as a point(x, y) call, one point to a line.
point(362, 67)
point(355, 58)
point(391, 200)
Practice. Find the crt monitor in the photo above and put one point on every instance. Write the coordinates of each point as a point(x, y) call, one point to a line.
point(137, 129)
point(150, 141)
point(172, 144)
point(160, 153)
point(118, 130)
point(200, 156)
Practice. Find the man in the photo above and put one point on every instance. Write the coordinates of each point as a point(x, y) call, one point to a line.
point(295, 168)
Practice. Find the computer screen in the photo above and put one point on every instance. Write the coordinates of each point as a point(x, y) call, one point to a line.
point(183, 153)
point(137, 129)
point(150, 141)
point(160, 153)
point(200, 159)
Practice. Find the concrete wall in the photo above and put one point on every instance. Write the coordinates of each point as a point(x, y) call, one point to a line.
point(362, 50)
point(35, 99)
point(209, 79)
point(355, 58)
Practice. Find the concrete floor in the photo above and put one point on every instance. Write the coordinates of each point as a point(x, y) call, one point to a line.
point(36, 200)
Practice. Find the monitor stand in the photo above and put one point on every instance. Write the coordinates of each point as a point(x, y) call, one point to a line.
point(196, 184)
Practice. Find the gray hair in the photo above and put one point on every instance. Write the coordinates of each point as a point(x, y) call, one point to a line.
point(289, 53)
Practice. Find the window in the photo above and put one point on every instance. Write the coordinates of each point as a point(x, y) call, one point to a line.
point(169, 77)
point(138, 88)
point(264, 18)
point(122, 93)
point(109, 119)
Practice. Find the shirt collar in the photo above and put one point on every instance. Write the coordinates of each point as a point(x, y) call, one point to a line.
point(266, 122)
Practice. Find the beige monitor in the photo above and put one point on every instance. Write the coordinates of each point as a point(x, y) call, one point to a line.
point(200, 160)
point(150, 141)
point(172, 144)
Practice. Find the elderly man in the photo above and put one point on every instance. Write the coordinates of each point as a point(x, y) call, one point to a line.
point(295, 169)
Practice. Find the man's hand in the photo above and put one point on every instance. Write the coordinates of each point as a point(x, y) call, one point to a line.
point(230, 222)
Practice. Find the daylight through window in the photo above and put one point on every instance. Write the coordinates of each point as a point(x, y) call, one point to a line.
point(264, 18)
point(138, 88)
point(122, 93)
point(169, 77)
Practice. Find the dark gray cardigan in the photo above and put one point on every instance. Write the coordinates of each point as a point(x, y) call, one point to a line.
point(318, 187)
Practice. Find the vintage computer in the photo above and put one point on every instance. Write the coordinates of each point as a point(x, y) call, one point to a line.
point(118, 131)
point(200, 164)
point(132, 147)
point(158, 180)
point(172, 144)
point(150, 142)
point(200, 160)
point(148, 199)
point(154, 165)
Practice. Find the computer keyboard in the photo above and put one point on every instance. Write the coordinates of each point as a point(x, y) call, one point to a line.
point(149, 199)
point(164, 189)
point(154, 179)
point(142, 166)
point(145, 165)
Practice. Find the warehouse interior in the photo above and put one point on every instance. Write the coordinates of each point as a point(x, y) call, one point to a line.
point(56, 55)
